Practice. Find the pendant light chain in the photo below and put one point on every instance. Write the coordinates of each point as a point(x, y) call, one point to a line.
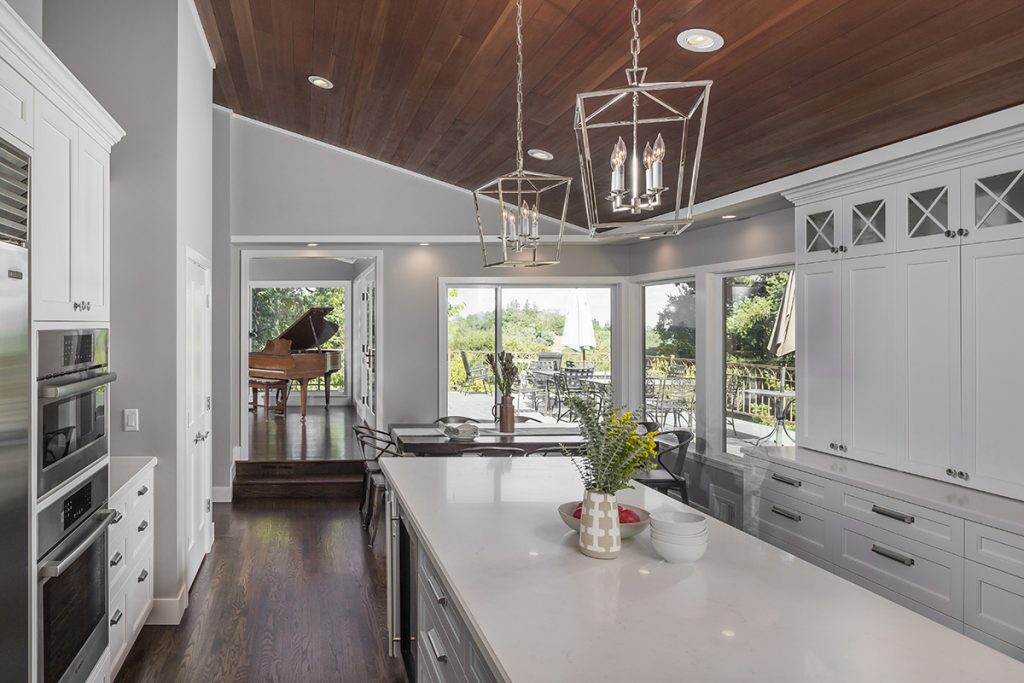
point(519, 86)
point(634, 44)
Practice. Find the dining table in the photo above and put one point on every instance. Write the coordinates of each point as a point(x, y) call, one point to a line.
point(429, 439)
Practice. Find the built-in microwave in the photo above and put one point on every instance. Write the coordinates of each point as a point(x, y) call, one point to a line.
point(73, 376)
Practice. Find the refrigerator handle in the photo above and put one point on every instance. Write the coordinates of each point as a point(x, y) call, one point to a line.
point(392, 559)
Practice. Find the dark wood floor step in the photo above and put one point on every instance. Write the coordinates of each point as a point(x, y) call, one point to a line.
point(336, 487)
point(298, 467)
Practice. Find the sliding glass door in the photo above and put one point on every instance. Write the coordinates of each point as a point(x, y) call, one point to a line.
point(554, 333)
point(670, 354)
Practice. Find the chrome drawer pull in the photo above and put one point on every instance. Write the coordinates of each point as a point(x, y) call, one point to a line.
point(441, 598)
point(117, 517)
point(144, 575)
point(786, 480)
point(116, 619)
point(892, 514)
point(786, 513)
point(892, 555)
point(116, 560)
point(144, 525)
point(439, 653)
point(144, 490)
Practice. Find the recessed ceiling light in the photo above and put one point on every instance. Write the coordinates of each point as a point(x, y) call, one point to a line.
point(312, 244)
point(320, 82)
point(729, 216)
point(645, 237)
point(700, 40)
point(541, 154)
point(424, 244)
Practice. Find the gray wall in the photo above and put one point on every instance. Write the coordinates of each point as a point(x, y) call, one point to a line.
point(133, 57)
point(299, 269)
point(225, 308)
point(31, 11)
point(764, 235)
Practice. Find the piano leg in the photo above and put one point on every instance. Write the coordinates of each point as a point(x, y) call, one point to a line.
point(302, 395)
point(327, 388)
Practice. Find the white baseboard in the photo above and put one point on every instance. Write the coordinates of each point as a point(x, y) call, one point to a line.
point(222, 494)
point(236, 454)
point(168, 611)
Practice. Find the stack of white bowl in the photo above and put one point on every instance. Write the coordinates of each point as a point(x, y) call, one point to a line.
point(679, 536)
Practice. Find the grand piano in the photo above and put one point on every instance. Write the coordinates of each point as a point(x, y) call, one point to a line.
point(297, 354)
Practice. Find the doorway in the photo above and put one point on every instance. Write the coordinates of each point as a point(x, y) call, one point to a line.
point(198, 371)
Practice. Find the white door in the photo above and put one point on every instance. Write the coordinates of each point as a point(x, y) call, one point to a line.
point(53, 170)
point(993, 200)
point(90, 203)
point(927, 347)
point(197, 482)
point(868, 360)
point(993, 365)
point(366, 345)
point(819, 355)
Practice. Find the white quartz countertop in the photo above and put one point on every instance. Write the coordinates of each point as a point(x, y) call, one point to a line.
point(123, 468)
point(746, 611)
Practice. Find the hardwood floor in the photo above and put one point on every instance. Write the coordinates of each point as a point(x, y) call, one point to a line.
point(290, 592)
point(326, 434)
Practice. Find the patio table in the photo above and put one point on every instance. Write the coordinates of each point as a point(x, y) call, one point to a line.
point(781, 400)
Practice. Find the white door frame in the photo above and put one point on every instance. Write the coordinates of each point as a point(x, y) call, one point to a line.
point(245, 322)
point(359, 283)
point(345, 396)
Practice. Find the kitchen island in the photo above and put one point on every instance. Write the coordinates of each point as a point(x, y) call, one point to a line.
point(505, 594)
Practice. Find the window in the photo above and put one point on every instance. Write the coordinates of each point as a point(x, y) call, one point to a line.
point(275, 308)
point(670, 353)
point(760, 353)
point(547, 329)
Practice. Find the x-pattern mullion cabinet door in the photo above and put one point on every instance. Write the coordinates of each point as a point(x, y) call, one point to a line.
point(993, 200)
point(818, 232)
point(868, 220)
point(928, 212)
point(927, 347)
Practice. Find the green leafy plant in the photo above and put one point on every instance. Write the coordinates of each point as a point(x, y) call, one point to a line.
point(506, 372)
point(615, 452)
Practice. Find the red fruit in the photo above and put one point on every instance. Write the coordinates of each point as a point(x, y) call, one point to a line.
point(627, 516)
point(578, 512)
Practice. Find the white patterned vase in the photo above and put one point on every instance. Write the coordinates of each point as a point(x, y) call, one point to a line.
point(600, 536)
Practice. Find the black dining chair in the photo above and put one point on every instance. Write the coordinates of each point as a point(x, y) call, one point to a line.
point(455, 420)
point(648, 426)
point(548, 452)
point(492, 452)
point(672, 447)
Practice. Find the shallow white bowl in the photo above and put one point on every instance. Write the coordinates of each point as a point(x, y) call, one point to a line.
point(674, 521)
point(677, 534)
point(678, 540)
point(672, 552)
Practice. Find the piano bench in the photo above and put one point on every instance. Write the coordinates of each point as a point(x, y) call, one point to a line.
point(265, 385)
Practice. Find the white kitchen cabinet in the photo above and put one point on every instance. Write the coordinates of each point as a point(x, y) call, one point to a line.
point(928, 213)
point(927, 347)
point(818, 231)
point(994, 603)
point(70, 225)
point(819, 357)
point(993, 200)
point(16, 98)
point(867, 224)
point(993, 365)
point(867, 352)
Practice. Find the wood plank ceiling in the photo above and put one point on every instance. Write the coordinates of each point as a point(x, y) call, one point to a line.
point(428, 84)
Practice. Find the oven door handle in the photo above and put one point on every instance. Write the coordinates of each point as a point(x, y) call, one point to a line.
point(57, 566)
point(72, 388)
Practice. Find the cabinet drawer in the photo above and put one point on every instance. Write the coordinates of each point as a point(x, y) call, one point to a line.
point(994, 603)
point(994, 643)
point(901, 600)
point(818, 562)
point(118, 619)
point(995, 548)
point(117, 532)
point(141, 491)
point(140, 531)
point(16, 96)
point(434, 592)
point(117, 569)
point(915, 570)
point(800, 485)
point(139, 592)
point(796, 523)
point(913, 521)
point(438, 657)
point(477, 669)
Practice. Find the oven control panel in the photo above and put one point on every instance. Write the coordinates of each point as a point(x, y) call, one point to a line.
point(77, 505)
point(78, 349)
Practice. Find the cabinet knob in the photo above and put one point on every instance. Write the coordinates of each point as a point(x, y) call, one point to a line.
point(75, 305)
point(842, 447)
point(963, 475)
point(950, 233)
point(842, 248)
point(833, 250)
point(116, 619)
point(116, 560)
point(832, 445)
point(88, 305)
point(950, 472)
point(144, 490)
point(144, 525)
point(143, 576)
point(963, 232)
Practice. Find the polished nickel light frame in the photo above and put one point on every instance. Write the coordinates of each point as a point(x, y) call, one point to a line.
point(518, 189)
point(591, 110)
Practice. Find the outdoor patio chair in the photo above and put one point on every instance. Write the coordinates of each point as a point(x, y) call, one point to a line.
point(479, 373)
point(568, 383)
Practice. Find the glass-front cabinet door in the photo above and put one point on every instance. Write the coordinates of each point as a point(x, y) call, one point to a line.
point(929, 212)
point(818, 231)
point(993, 200)
point(867, 227)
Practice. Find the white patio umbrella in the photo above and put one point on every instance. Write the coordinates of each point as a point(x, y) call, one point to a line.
point(783, 339)
point(578, 332)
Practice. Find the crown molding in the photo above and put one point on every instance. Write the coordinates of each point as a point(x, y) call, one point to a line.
point(26, 52)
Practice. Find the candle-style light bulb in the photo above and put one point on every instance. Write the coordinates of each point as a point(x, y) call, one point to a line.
point(524, 220)
point(535, 221)
point(618, 163)
point(648, 173)
point(659, 148)
point(658, 153)
point(510, 217)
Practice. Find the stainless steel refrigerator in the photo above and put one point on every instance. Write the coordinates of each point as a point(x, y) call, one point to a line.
point(16, 577)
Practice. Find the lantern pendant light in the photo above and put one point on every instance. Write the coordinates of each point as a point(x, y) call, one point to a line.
point(635, 199)
point(521, 197)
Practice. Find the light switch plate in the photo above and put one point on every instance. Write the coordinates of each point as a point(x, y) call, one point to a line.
point(131, 419)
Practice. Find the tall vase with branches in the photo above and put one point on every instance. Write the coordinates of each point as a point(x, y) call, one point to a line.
point(506, 374)
point(614, 453)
